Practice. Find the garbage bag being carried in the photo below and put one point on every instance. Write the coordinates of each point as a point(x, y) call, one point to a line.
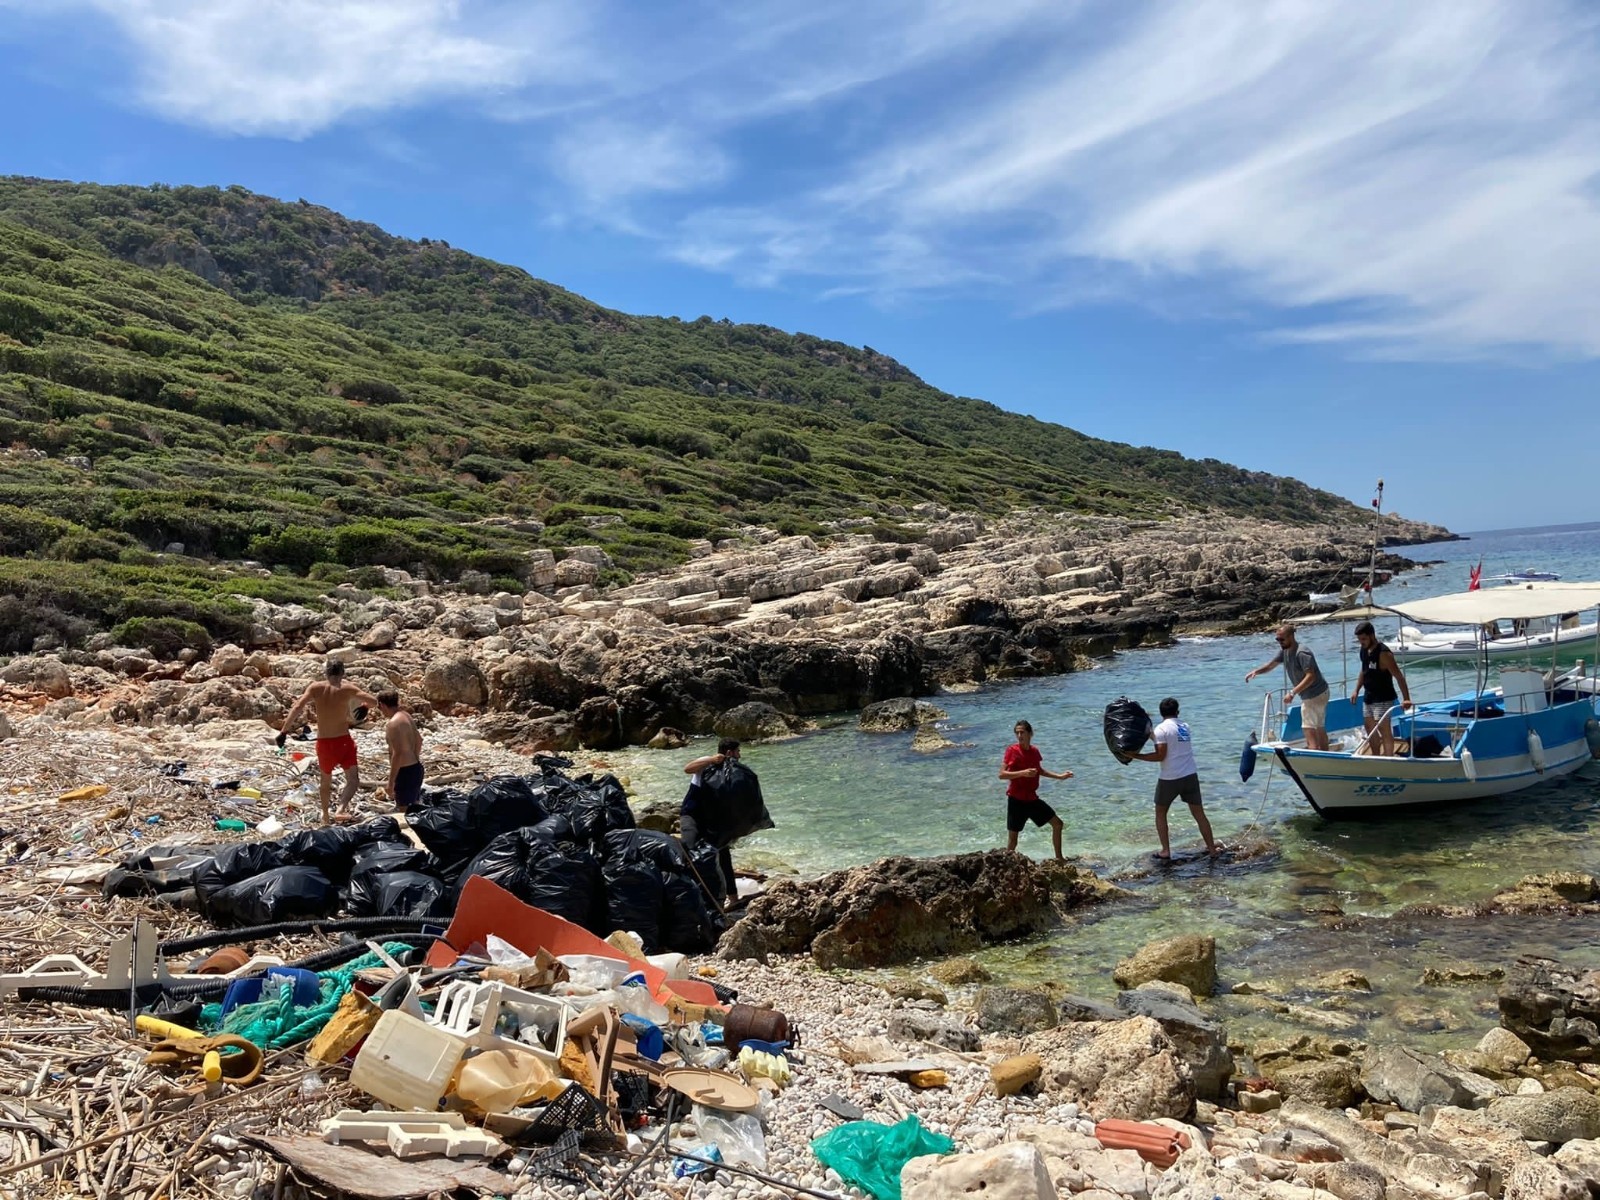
point(280, 894)
point(561, 878)
point(1127, 727)
point(731, 804)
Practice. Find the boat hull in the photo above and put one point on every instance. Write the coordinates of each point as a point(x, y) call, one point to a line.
point(1340, 785)
point(1465, 647)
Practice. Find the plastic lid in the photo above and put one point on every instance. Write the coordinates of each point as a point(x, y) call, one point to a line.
point(714, 1089)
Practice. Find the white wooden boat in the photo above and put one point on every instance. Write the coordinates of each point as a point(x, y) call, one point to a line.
point(1507, 733)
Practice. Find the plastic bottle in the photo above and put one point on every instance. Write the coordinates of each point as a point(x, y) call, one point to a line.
point(231, 824)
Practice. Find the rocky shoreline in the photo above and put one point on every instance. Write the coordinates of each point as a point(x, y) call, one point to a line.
point(748, 640)
point(1509, 1113)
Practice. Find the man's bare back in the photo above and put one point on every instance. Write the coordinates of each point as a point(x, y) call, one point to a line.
point(405, 743)
point(334, 704)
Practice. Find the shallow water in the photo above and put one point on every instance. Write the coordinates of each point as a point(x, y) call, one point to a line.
point(842, 797)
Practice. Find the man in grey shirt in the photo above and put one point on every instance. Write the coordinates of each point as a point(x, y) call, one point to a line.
point(1305, 683)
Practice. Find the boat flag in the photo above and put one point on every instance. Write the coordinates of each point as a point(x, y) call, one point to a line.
point(1476, 577)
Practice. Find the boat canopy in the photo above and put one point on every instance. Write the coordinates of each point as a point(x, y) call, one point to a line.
point(1493, 604)
point(1361, 612)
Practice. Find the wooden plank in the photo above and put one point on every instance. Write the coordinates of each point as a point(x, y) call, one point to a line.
point(365, 1174)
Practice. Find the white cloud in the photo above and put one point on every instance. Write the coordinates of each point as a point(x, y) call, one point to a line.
point(1406, 179)
point(293, 67)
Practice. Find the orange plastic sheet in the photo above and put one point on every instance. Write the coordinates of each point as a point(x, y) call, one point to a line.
point(487, 908)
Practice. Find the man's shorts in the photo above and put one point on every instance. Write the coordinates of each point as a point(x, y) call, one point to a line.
point(408, 786)
point(1314, 713)
point(1020, 812)
point(1377, 712)
point(1186, 789)
point(336, 752)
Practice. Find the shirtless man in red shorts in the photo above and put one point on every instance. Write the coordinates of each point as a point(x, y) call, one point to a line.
point(333, 699)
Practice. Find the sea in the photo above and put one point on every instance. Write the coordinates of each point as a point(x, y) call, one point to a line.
point(1294, 897)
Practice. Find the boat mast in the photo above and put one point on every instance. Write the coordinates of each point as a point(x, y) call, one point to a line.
point(1377, 520)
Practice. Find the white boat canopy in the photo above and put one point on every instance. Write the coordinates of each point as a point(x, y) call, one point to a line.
point(1493, 604)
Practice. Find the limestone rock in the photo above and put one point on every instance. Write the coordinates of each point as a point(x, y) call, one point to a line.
point(1010, 1171)
point(1343, 980)
point(1456, 974)
point(1400, 1076)
point(751, 723)
point(668, 738)
point(1200, 1042)
point(898, 714)
point(1582, 1157)
point(1081, 1008)
point(454, 680)
point(1504, 1049)
point(897, 910)
point(1014, 1010)
point(911, 1026)
point(958, 972)
point(1538, 1180)
point(380, 635)
point(914, 990)
point(1559, 1116)
point(48, 676)
point(1345, 1180)
point(928, 740)
point(228, 659)
point(1554, 1009)
point(1190, 960)
point(1333, 1084)
point(1128, 1069)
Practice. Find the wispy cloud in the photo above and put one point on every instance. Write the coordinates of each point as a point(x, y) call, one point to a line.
point(1413, 179)
point(292, 67)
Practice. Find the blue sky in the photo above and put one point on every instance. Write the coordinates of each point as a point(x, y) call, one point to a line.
point(1337, 241)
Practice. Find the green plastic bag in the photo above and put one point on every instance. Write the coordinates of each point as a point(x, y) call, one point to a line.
point(869, 1155)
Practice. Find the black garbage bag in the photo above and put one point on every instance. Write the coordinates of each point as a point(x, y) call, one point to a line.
point(708, 864)
point(376, 862)
point(455, 825)
point(597, 807)
point(333, 849)
point(139, 874)
point(689, 924)
point(409, 894)
point(1127, 728)
point(232, 865)
point(560, 877)
point(731, 804)
point(635, 888)
point(279, 894)
point(555, 828)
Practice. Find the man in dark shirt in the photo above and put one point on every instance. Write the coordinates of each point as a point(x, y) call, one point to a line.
point(1305, 683)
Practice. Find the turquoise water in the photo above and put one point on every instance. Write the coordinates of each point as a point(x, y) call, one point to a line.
point(842, 797)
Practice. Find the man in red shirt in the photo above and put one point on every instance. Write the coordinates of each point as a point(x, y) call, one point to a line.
point(1021, 768)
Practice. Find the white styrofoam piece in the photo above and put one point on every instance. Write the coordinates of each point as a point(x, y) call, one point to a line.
point(412, 1133)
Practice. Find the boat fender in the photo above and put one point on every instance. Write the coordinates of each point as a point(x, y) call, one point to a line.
point(1247, 760)
point(1410, 633)
point(1591, 734)
point(1536, 750)
point(1468, 767)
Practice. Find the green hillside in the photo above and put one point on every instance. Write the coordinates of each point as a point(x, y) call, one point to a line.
point(266, 381)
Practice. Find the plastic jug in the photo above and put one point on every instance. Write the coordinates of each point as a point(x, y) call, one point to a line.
point(407, 1063)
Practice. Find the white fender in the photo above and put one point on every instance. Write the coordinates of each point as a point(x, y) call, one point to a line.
point(1468, 767)
point(1536, 750)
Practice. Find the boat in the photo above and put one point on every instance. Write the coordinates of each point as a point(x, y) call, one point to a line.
point(1499, 639)
point(1517, 727)
point(1525, 576)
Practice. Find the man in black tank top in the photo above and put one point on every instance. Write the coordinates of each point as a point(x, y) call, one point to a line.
point(1380, 674)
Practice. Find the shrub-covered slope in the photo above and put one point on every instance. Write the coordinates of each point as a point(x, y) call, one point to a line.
point(270, 381)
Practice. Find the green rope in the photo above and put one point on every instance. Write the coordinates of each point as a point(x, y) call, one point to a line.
point(277, 1024)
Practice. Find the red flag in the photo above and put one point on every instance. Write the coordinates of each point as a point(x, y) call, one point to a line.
point(1477, 575)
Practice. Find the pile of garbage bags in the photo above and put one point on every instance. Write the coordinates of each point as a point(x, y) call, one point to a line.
point(566, 845)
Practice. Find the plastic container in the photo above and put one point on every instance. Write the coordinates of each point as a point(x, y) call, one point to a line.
point(270, 828)
point(307, 988)
point(675, 965)
point(591, 970)
point(248, 793)
point(636, 999)
point(231, 824)
point(407, 1063)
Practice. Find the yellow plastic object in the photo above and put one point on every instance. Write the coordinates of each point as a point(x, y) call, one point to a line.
point(156, 1027)
point(497, 1081)
point(91, 791)
point(757, 1062)
point(211, 1066)
point(248, 793)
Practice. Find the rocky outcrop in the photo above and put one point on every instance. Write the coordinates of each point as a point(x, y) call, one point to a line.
point(1014, 1010)
point(1554, 1009)
point(899, 714)
point(1190, 960)
point(1200, 1041)
point(1563, 1115)
point(898, 909)
point(1126, 1069)
point(1412, 1080)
